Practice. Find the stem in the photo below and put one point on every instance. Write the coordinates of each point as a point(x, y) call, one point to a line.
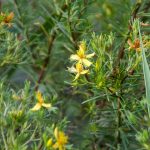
point(0, 5)
point(3, 137)
point(46, 60)
point(119, 123)
point(50, 46)
point(19, 13)
point(121, 51)
point(73, 34)
point(117, 64)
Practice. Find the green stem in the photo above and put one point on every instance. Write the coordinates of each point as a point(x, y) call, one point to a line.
point(118, 123)
point(3, 137)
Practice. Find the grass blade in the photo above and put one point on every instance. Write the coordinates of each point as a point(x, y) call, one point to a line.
point(146, 71)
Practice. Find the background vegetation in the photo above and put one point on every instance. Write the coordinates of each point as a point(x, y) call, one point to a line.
point(106, 107)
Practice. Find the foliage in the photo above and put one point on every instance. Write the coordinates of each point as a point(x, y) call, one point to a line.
point(74, 75)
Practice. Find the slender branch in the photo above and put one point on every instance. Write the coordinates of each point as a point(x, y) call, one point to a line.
point(119, 122)
point(145, 10)
point(3, 137)
point(50, 46)
point(0, 5)
point(133, 17)
point(74, 34)
point(119, 57)
point(147, 7)
point(19, 13)
point(46, 60)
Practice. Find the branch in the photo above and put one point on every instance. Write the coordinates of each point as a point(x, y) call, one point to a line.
point(46, 60)
point(133, 17)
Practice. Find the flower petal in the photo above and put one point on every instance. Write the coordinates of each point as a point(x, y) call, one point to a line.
point(56, 145)
point(72, 69)
point(86, 62)
point(36, 107)
point(82, 46)
point(84, 71)
point(90, 55)
point(81, 53)
point(39, 97)
point(56, 133)
point(49, 142)
point(74, 57)
point(46, 105)
point(79, 67)
point(63, 137)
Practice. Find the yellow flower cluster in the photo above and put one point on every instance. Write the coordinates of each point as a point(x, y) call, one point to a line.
point(40, 102)
point(6, 19)
point(82, 61)
point(60, 140)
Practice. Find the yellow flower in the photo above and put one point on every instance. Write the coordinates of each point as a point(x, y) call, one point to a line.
point(78, 69)
point(61, 139)
point(40, 102)
point(49, 142)
point(81, 57)
point(7, 18)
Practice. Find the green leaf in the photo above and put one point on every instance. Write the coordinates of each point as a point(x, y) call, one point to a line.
point(146, 71)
